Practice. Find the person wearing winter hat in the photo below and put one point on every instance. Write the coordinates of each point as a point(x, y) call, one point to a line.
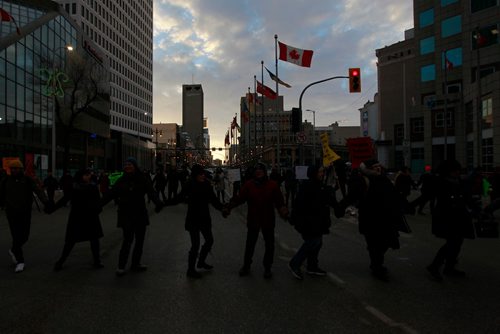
point(16, 195)
point(129, 191)
point(198, 193)
point(262, 196)
point(379, 212)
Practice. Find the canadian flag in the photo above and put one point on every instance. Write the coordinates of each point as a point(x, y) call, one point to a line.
point(295, 55)
point(5, 16)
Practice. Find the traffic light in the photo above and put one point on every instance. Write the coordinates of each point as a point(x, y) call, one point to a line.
point(296, 120)
point(354, 80)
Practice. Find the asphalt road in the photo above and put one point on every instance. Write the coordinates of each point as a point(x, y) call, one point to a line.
point(80, 299)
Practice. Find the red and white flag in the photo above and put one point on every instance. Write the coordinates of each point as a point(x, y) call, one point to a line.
point(295, 55)
point(448, 64)
point(266, 91)
point(5, 16)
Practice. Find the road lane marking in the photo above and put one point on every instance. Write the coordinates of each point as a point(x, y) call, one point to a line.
point(388, 321)
point(335, 279)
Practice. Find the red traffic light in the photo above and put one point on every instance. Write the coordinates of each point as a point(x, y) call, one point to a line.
point(355, 80)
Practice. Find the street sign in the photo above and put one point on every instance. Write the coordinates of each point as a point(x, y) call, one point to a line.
point(301, 137)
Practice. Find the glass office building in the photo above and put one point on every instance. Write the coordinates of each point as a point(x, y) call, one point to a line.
point(34, 61)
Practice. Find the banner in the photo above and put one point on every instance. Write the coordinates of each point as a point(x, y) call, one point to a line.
point(360, 149)
point(29, 166)
point(6, 162)
point(329, 155)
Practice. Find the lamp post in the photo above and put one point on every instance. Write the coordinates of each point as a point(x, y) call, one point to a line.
point(314, 134)
point(53, 93)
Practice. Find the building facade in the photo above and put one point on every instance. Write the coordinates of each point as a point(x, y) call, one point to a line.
point(41, 55)
point(124, 30)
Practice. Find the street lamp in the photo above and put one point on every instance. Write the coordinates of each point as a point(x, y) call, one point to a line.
point(53, 80)
point(314, 134)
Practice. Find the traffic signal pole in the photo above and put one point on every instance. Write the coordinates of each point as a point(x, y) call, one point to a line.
point(300, 107)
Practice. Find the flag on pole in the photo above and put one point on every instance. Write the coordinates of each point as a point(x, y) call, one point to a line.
point(448, 64)
point(5, 16)
point(295, 55)
point(276, 79)
point(226, 140)
point(234, 124)
point(244, 110)
point(266, 91)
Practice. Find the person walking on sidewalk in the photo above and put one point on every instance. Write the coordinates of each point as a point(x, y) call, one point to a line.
point(427, 191)
point(198, 194)
point(16, 195)
point(380, 212)
point(50, 184)
point(311, 218)
point(129, 190)
point(262, 196)
point(451, 219)
point(83, 220)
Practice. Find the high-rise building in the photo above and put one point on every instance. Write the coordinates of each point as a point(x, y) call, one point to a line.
point(454, 111)
point(192, 113)
point(51, 116)
point(124, 29)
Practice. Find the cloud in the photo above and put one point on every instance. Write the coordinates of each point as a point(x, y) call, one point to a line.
point(220, 43)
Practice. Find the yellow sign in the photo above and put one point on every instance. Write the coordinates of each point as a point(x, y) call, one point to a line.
point(329, 155)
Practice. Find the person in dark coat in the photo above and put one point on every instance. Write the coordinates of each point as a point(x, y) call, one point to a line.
point(160, 182)
point(83, 219)
point(263, 196)
point(16, 195)
point(451, 219)
point(427, 191)
point(129, 191)
point(172, 183)
point(379, 212)
point(311, 218)
point(66, 183)
point(198, 194)
point(50, 184)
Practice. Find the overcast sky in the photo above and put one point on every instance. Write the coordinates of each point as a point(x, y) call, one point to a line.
point(220, 44)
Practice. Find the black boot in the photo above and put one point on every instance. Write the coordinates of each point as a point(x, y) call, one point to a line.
point(191, 272)
point(201, 261)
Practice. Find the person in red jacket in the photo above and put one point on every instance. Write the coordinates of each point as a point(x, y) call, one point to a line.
point(263, 196)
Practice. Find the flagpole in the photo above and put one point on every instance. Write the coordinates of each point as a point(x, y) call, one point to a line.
point(445, 105)
point(278, 116)
point(263, 143)
point(247, 128)
point(255, 114)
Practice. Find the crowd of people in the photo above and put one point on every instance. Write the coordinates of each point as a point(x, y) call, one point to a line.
point(382, 204)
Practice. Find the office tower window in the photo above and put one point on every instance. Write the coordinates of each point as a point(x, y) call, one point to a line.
point(439, 119)
point(487, 151)
point(487, 112)
point(451, 26)
point(477, 5)
point(426, 18)
point(427, 45)
point(447, 2)
point(428, 73)
point(454, 56)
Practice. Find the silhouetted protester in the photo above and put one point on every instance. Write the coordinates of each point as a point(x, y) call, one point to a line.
point(219, 184)
point(133, 218)
point(160, 182)
point(16, 195)
point(451, 219)
point(83, 219)
point(104, 183)
point(172, 182)
point(183, 175)
point(379, 212)
point(427, 191)
point(66, 183)
point(341, 171)
point(276, 176)
point(199, 194)
point(311, 218)
point(262, 196)
point(50, 184)
point(290, 186)
point(404, 183)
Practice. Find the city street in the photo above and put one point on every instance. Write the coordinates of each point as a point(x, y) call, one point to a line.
point(80, 299)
